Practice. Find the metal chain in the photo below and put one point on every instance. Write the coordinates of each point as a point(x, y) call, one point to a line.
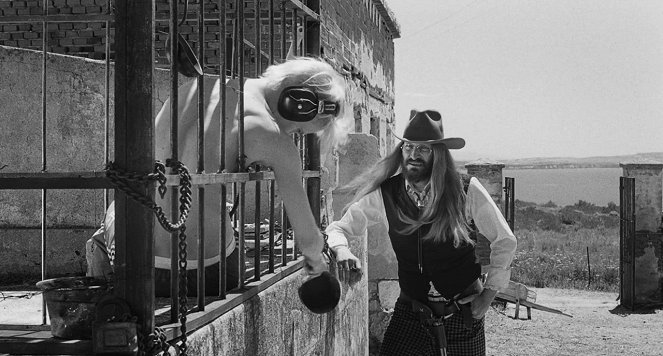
point(155, 343)
point(121, 178)
point(183, 288)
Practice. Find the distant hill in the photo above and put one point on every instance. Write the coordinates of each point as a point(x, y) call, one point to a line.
point(575, 162)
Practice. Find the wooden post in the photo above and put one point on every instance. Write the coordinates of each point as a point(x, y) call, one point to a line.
point(134, 152)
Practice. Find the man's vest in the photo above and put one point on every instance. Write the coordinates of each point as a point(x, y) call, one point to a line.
point(451, 269)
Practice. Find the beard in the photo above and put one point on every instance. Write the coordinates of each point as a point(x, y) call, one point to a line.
point(419, 171)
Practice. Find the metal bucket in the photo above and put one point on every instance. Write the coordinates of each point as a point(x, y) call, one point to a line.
point(71, 304)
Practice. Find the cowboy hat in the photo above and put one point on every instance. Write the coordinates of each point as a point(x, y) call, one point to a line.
point(426, 127)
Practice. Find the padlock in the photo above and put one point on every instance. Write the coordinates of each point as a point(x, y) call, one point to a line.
point(114, 329)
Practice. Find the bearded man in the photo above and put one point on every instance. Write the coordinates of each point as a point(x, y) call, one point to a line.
point(417, 198)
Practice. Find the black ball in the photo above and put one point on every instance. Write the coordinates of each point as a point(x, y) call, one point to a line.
point(320, 294)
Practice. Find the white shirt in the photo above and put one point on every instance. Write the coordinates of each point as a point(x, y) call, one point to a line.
point(369, 212)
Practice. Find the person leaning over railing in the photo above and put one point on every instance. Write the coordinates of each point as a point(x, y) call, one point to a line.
point(300, 95)
point(416, 197)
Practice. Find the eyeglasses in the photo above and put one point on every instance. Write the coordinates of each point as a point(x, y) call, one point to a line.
point(422, 149)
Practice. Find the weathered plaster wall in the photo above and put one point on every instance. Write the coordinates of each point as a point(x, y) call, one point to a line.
point(648, 193)
point(75, 134)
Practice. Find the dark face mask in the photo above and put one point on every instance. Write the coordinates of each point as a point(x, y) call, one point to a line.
point(301, 104)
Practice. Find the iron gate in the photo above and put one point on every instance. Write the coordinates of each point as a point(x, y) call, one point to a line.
point(509, 201)
point(627, 241)
point(272, 20)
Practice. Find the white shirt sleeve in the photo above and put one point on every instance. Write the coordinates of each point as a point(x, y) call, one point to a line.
point(490, 222)
point(366, 212)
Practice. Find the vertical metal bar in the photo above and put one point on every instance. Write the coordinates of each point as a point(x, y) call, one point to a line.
point(174, 100)
point(240, 141)
point(240, 130)
point(44, 244)
point(223, 68)
point(632, 236)
point(201, 159)
point(312, 185)
point(256, 236)
point(295, 48)
point(305, 36)
point(241, 245)
point(258, 41)
point(107, 101)
point(509, 208)
point(622, 245)
point(271, 226)
point(223, 266)
point(283, 31)
point(312, 154)
point(284, 217)
point(284, 235)
point(201, 248)
point(134, 151)
point(271, 32)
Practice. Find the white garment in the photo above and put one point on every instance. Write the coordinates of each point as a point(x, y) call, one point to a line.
point(369, 213)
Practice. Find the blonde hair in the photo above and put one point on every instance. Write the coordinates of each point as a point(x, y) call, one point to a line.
point(328, 84)
point(446, 211)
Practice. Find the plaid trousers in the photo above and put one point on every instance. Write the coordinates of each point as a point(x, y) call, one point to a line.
point(406, 336)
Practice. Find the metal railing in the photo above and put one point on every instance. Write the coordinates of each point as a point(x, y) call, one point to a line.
point(132, 64)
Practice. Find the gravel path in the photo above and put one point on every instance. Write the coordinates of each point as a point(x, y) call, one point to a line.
point(599, 327)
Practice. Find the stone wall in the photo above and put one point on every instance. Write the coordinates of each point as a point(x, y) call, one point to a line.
point(641, 254)
point(275, 323)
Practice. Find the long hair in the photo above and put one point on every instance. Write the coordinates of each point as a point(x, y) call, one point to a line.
point(371, 179)
point(446, 210)
point(328, 84)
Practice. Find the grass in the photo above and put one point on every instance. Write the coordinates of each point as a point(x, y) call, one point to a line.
point(558, 259)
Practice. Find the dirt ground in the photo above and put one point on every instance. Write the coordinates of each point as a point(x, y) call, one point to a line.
point(599, 326)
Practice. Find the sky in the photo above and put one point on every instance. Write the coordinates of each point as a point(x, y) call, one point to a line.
point(534, 78)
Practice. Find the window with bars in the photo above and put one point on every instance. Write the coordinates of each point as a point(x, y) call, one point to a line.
point(238, 44)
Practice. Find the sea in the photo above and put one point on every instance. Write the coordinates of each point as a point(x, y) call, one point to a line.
point(566, 186)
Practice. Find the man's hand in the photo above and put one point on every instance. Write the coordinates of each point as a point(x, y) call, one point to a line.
point(480, 302)
point(346, 260)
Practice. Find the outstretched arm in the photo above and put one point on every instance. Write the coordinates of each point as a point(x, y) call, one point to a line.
point(277, 151)
point(361, 215)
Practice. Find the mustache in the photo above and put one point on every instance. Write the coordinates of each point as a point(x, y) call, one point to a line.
point(415, 161)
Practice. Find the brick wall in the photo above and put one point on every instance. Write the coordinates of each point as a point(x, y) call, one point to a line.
point(73, 38)
point(354, 36)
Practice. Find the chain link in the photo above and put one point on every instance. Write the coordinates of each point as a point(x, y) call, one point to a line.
point(155, 343)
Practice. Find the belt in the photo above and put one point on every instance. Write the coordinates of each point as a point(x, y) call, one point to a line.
point(435, 309)
point(432, 313)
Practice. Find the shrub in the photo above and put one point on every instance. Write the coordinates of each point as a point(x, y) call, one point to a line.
point(559, 259)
